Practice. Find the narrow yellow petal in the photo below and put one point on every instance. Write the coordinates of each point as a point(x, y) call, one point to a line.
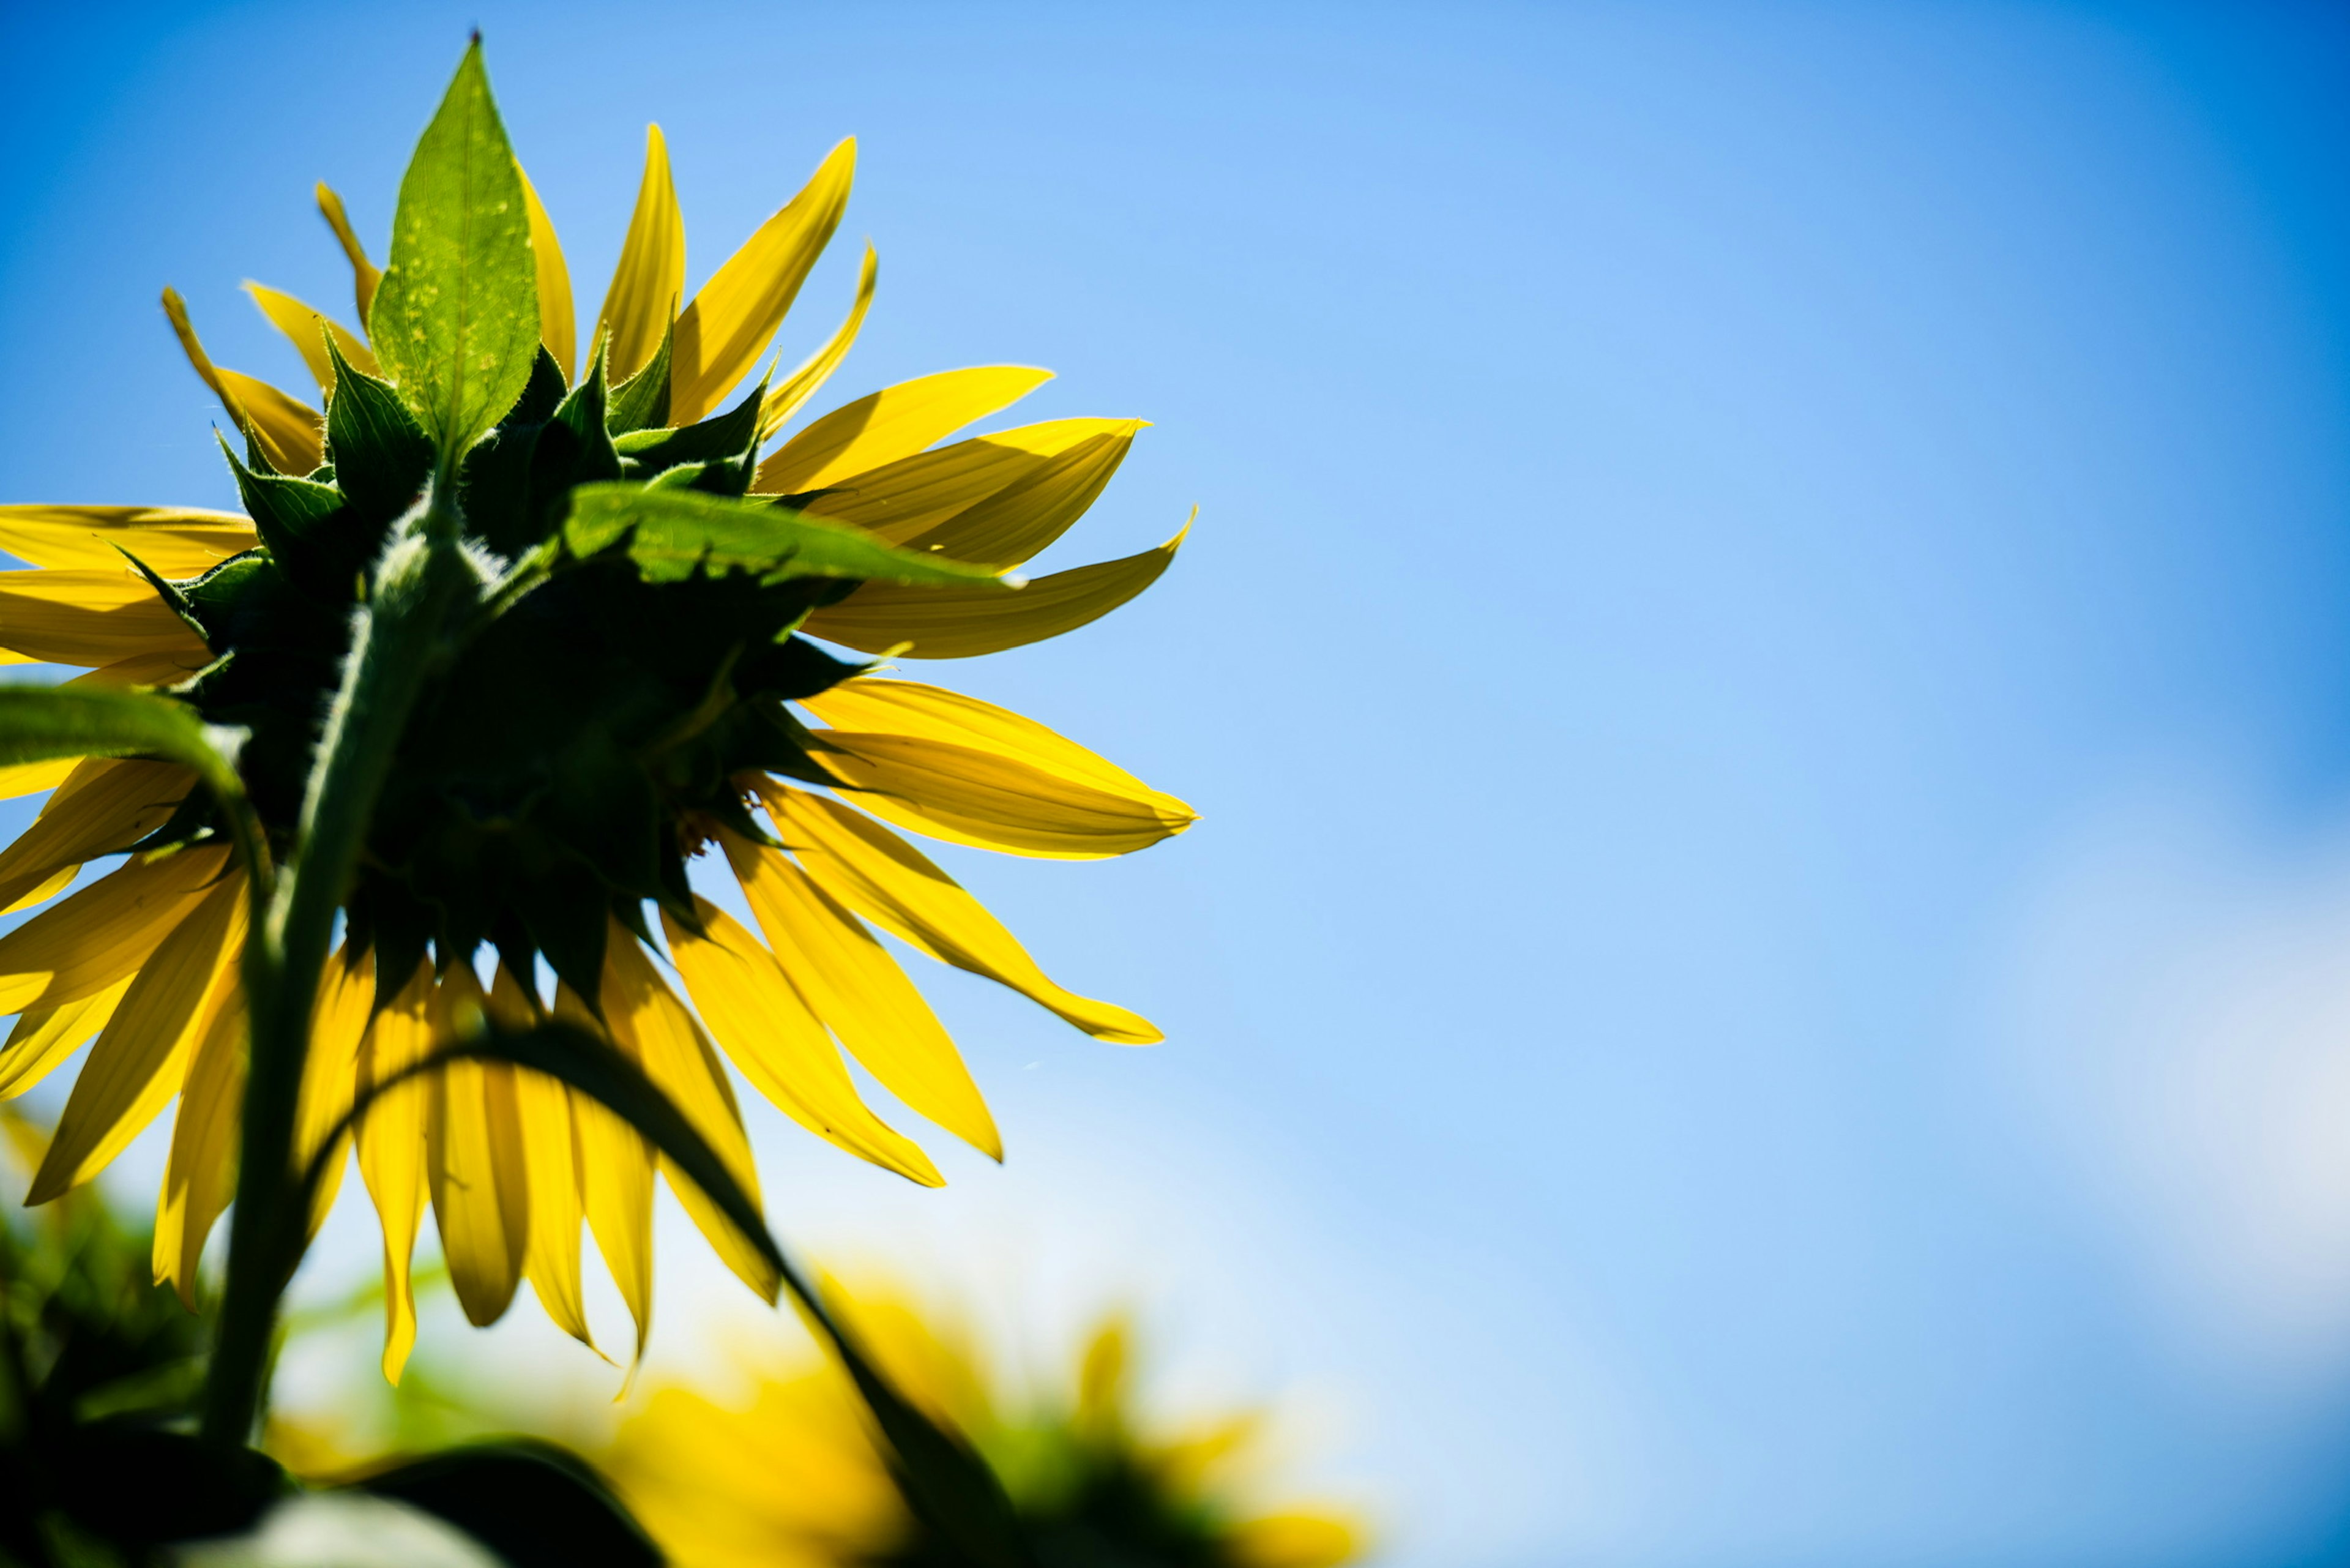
point(391, 1152)
point(290, 434)
point(338, 1027)
point(49, 887)
point(894, 422)
point(616, 1166)
point(885, 707)
point(32, 778)
point(551, 1256)
point(141, 1055)
point(850, 982)
point(365, 274)
point(558, 324)
point(167, 667)
point(785, 397)
point(474, 1165)
point(658, 1031)
point(779, 1044)
point(956, 623)
point(904, 499)
point(41, 1040)
point(895, 886)
point(306, 327)
point(650, 277)
point(87, 617)
point(103, 932)
point(176, 540)
point(102, 809)
point(993, 801)
point(734, 319)
point(200, 1176)
point(1016, 522)
point(1293, 1541)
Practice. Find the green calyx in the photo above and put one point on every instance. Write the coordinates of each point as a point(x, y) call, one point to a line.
point(630, 645)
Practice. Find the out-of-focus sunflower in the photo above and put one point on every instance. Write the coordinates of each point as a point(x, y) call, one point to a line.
point(612, 723)
point(782, 1469)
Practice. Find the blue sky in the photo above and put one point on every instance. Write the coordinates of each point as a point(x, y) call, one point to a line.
point(1763, 663)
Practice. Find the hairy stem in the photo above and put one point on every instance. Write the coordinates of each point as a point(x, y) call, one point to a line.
point(395, 639)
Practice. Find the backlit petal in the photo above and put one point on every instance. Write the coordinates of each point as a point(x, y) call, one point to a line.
point(200, 1175)
point(779, 1044)
point(290, 433)
point(650, 277)
point(734, 319)
point(894, 422)
point(656, 1028)
point(103, 932)
point(391, 1152)
point(41, 1040)
point(141, 1055)
point(175, 541)
point(105, 807)
point(886, 706)
point(87, 617)
point(306, 327)
point(616, 1166)
point(850, 982)
point(558, 324)
point(365, 274)
point(895, 886)
point(551, 1256)
point(784, 399)
point(905, 499)
point(338, 1027)
point(990, 801)
point(474, 1165)
point(957, 623)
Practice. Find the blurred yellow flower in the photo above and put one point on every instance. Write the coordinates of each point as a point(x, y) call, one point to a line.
point(784, 1470)
point(146, 958)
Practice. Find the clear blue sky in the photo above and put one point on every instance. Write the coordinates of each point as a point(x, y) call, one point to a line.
point(1765, 663)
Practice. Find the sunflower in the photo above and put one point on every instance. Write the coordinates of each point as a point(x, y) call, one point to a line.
point(563, 765)
point(783, 1468)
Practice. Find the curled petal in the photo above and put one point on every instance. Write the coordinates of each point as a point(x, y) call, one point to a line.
point(365, 274)
point(784, 399)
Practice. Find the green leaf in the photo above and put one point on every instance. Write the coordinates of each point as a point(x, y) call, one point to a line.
point(455, 320)
point(673, 533)
point(534, 1504)
point(39, 724)
point(641, 402)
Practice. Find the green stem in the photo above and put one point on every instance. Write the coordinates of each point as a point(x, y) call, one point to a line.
point(395, 637)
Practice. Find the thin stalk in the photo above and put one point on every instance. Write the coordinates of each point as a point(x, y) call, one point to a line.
point(395, 637)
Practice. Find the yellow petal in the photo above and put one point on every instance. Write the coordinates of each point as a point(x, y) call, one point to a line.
point(165, 668)
point(305, 328)
point(474, 1165)
point(103, 932)
point(905, 499)
point(850, 982)
point(87, 617)
point(650, 277)
point(551, 1256)
point(200, 1176)
point(654, 1027)
point(365, 274)
point(616, 1166)
point(291, 434)
point(49, 887)
point(175, 541)
point(31, 778)
point(957, 623)
point(558, 324)
point(779, 1044)
point(41, 1040)
point(391, 1152)
point(784, 399)
point(337, 1028)
point(885, 707)
point(894, 422)
point(1292, 1541)
point(102, 810)
point(734, 319)
point(141, 1055)
point(991, 802)
point(895, 886)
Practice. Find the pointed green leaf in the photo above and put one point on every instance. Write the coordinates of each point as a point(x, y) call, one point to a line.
point(310, 534)
point(672, 533)
point(455, 320)
point(641, 402)
point(382, 456)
